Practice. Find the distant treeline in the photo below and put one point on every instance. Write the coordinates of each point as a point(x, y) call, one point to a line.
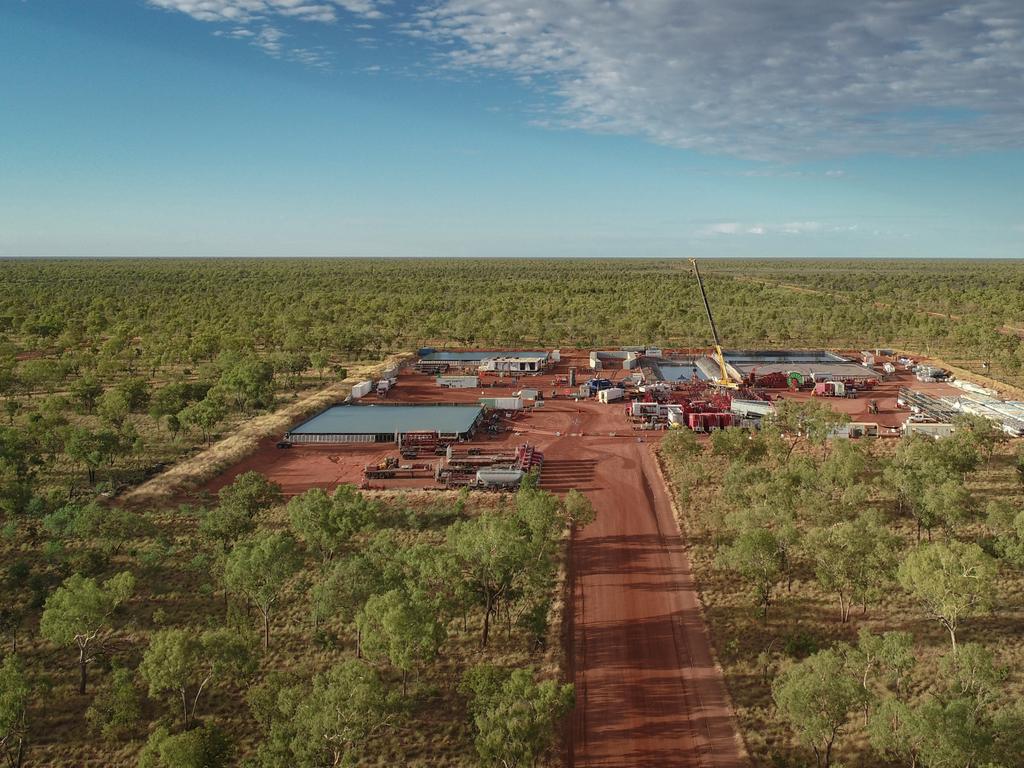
point(181, 310)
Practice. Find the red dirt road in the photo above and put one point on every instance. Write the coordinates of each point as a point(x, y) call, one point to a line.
point(648, 691)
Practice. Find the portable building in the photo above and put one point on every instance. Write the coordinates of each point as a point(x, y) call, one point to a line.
point(502, 403)
point(929, 428)
point(611, 394)
point(458, 382)
point(515, 364)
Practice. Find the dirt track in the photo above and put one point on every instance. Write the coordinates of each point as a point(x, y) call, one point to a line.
point(648, 691)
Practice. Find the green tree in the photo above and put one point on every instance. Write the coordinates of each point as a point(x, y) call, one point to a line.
point(952, 581)
point(947, 504)
point(250, 492)
point(344, 591)
point(113, 408)
point(401, 627)
point(110, 527)
point(136, 393)
point(326, 523)
point(92, 449)
point(247, 385)
point(346, 710)
point(203, 747)
point(854, 560)
point(680, 445)
point(184, 663)
point(79, 613)
point(115, 712)
point(19, 464)
point(756, 554)
point(204, 415)
point(578, 510)
point(817, 696)
point(320, 360)
point(734, 443)
point(805, 422)
point(15, 696)
point(260, 568)
point(516, 717)
point(85, 392)
point(493, 557)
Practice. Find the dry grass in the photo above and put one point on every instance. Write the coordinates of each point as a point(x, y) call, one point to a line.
point(209, 463)
point(805, 618)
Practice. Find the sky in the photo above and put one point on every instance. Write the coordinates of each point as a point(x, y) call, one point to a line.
point(505, 128)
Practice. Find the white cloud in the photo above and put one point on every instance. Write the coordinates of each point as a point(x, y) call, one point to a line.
point(268, 40)
point(770, 80)
point(246, 10)
point(732, 228)
point(245, 14)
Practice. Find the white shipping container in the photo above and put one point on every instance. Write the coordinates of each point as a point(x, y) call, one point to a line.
point(362, 389)
point(610, 395)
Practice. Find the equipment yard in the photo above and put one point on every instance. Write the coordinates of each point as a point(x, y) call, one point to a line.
point(326, 454)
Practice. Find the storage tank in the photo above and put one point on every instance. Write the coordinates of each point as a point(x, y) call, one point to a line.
point(499, 477)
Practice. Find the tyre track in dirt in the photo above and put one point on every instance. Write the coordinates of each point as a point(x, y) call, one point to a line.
point(648, 691)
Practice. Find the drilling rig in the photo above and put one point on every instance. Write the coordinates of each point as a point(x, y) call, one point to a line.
point(723, 381)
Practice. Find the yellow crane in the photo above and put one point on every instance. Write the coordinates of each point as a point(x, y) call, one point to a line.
point(723, 381)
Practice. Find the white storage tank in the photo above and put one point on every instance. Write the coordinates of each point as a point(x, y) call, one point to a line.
point(497, 477)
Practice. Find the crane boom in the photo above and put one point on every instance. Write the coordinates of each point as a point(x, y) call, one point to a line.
point(724, 380)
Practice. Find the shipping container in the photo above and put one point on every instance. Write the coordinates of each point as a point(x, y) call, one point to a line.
point(362, 389)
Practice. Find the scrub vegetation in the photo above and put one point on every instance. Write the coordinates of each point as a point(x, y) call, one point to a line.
point(378, 628)
point(865, 598)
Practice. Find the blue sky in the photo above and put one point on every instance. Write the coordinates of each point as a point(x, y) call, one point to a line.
point(511, 128)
